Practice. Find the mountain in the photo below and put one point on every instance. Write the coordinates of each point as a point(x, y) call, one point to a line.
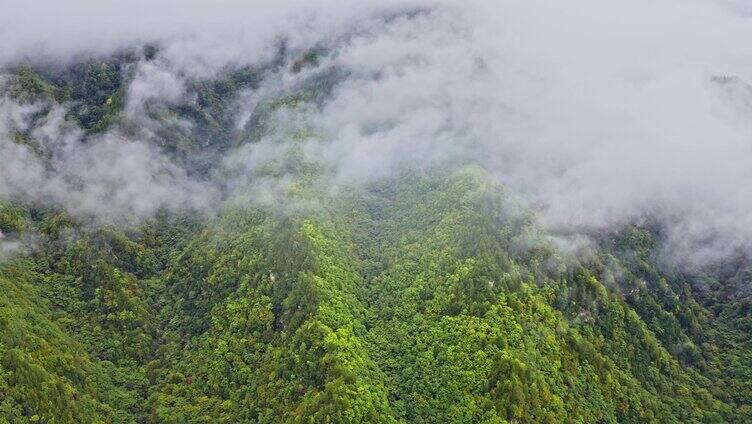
point(423, 294)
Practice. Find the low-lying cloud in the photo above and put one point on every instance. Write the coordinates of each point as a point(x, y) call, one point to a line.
point(596, 113)
point(108, 178)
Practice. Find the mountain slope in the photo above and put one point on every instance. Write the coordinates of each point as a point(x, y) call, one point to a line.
point(428, 294)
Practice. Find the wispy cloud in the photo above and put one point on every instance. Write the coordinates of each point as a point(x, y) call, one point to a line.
point(597, 113)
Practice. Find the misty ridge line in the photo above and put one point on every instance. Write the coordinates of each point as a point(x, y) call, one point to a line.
point(595, 120)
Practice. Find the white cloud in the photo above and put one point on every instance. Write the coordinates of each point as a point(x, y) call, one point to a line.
point(597, 112)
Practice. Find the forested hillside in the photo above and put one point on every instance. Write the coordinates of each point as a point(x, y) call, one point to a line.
point(430, 294)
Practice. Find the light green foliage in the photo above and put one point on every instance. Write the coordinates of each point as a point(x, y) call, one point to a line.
point(422, 299)
point(426, 297)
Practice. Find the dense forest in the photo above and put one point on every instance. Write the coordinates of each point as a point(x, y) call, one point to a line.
point(426, 295)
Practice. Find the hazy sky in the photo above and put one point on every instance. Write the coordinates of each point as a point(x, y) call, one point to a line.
point(595, 112)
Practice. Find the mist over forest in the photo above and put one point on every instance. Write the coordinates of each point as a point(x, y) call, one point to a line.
point(399, 211)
